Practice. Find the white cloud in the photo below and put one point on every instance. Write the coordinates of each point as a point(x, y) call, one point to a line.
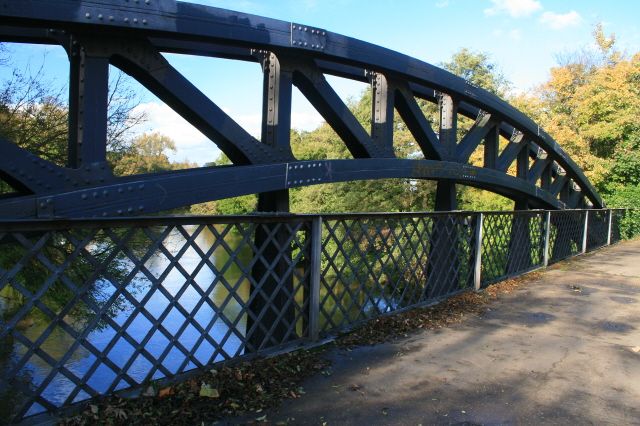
point(193, 146)
point(442, 3)
point(515, 35)
point(514, 8)
point(558, 21)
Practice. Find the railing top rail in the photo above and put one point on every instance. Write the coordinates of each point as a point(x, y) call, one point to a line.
point(145, 221)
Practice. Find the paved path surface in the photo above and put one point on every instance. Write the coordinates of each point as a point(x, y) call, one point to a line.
point(546, 353)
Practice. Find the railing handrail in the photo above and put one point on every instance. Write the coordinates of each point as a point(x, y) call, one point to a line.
point(98, 222)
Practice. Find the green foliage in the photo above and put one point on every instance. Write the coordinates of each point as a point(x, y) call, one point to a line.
point(477, 69)
point(148, 154)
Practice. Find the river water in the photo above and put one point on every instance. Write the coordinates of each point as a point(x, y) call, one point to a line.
point(79, 361)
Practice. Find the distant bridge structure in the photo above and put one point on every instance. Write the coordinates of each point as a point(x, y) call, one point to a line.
point(132, 34)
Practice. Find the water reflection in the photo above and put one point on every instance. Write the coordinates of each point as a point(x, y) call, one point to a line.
point(205, 280)
point(178, 286)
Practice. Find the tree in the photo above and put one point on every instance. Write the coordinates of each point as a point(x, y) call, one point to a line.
point(477, 69)
point(146, 154)
point(34, 113)
point(590, 106)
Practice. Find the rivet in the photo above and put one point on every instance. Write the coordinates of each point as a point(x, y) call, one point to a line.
point(111, 18)
point(129, 189)
point(305, 28)
point(130, 209)
point(126, 19)
point(141, 186)
point(104, 214)
point(147, 1)
point(305, 44)
point(105, 193)
point(119, 212)
point(120, 190)
point(144, 22)
point(95, 195)
point(135, 20)
point(100, 16)
point(87, 15)
point(84, 196)
point(140, 207)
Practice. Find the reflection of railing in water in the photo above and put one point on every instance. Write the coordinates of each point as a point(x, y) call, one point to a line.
point(93, 307)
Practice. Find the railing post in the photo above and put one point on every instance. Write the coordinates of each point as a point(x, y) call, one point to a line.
point(547, 238)
point(584, 232)
point(477, 270)
point(609, 215)
point(316, 260)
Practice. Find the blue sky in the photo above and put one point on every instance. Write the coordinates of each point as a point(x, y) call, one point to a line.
point(523, 37)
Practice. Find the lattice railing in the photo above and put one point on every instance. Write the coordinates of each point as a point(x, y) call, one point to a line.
point(90, 308)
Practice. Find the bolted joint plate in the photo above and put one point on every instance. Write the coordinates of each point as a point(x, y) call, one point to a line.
point(128, 13)
point(306, 37)
point(307, 173)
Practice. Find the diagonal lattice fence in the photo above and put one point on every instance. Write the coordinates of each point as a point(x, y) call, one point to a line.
point(90, 308)
point(511, 244)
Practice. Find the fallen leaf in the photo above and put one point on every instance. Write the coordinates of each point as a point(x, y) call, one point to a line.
point(208, 391)
point(164, 392)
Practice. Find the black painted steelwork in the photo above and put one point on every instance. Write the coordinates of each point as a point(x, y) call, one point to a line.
point(92, 307)
point(131, 35)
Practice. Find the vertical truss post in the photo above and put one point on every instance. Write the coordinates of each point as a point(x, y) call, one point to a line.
point(316, 266)
point(585, 230)
point(276, 122)
point(446, 190)
point(519, 257)
point(88, 104)
point(382, 112)
point(443, 269)
point(276, 127)
point(609, 222)
point(491, 147)
point(477, 269)
point(547, 236)
point(545, 177)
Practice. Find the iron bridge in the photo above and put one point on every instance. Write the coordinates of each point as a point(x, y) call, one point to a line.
point(132, 35)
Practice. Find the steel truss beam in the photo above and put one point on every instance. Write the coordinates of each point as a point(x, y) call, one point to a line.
point(133, 36)
point(162, 191)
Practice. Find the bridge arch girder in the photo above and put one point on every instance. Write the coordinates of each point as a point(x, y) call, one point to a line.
point(133, 36)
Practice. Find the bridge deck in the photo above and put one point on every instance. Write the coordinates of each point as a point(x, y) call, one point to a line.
point(563, 349)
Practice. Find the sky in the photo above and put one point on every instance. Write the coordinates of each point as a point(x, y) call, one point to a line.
point(523, 37)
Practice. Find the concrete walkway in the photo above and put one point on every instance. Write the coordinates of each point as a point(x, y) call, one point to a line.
point(564, 349)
